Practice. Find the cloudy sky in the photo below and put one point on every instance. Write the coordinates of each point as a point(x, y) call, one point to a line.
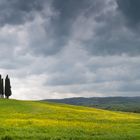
point(70, 48)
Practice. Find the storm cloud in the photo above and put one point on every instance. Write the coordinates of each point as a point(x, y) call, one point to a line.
point(130, 9)
point(59, 48)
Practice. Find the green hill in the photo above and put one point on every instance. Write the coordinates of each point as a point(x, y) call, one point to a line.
point(30, 120)
point(127, 104)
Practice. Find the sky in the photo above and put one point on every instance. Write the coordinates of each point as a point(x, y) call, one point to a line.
point(70, 48)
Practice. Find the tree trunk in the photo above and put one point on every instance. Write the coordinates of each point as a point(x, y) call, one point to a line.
point(7, 97)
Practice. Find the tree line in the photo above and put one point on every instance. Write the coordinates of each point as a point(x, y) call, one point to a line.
point(5, 88)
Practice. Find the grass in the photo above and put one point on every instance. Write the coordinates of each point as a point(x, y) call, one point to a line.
point(30, 120)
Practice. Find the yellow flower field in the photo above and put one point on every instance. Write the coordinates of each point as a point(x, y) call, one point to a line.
point(36, 120)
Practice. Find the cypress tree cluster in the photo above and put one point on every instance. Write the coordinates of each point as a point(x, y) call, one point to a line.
point(5, 91)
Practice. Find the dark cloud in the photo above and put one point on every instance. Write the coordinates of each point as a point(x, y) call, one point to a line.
point(61, 24)
point(131, 10)
point(117, 46)
point(18, 12)
point(68, 12)
point(109, 34)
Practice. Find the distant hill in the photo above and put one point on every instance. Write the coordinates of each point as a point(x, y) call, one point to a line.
point(128, 104)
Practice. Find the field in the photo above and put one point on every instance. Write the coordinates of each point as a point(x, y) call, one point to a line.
point(30, 120)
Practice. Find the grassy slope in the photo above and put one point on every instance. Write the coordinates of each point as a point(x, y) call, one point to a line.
point(49, 121)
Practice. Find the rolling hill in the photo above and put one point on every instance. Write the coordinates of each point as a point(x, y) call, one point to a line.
point(36, 120)
point(128, 104)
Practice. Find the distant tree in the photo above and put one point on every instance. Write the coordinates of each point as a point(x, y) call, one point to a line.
point(1, 87)
point(8, 91)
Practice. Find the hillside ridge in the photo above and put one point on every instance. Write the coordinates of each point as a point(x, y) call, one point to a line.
point(127, 104)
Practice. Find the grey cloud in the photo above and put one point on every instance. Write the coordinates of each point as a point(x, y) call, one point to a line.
point(60, 28)
point(130, 86)
point(68, 12)
point(61, 20)
point(105, 32)
point(102, 74)
point(131, 10)
point(18, 12)
point(65, 48)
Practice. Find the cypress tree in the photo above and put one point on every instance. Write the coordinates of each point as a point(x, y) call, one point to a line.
point(7, 87)
point(1, 87)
